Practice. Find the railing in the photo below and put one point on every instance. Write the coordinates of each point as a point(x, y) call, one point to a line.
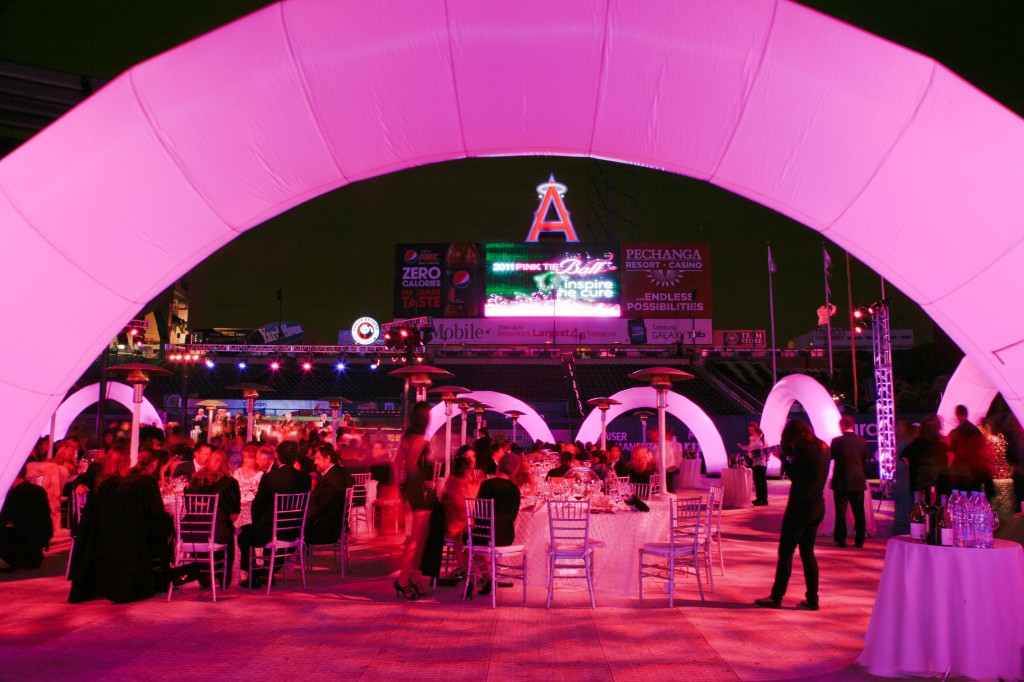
point(739, 396)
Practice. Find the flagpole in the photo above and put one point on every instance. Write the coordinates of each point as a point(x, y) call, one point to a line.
point(828, 311)
point(853, 336)
point(771, 311)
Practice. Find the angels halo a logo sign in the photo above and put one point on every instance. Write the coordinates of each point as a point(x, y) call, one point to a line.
point(365, 331)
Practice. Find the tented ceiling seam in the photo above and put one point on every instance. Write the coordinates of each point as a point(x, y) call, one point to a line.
point(307, 95)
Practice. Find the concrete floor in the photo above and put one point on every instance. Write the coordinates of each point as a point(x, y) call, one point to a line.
point(356, 629)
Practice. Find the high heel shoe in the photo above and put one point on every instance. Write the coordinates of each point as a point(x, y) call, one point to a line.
point(406, 591)
point(417, 587)
point(486, 589)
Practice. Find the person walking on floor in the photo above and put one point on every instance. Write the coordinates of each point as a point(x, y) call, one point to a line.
point(805, 461)
point(849, 452)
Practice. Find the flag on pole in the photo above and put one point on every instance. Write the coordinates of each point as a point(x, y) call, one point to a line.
point(828, 274)
point(771, 263)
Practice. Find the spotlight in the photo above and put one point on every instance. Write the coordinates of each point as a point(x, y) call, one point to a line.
point(404, 332)
point(275, 365)
point(858, 329)
point(307, 365)
point(340, 365)
point(242, 364)
point(210, 363)
point(419, 358)
point(858, 313)
point(376, 363)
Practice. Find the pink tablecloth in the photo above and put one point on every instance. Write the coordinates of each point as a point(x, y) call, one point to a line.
point(942, 608)
point(616, 565)
point(738, 484)
point(689, 474)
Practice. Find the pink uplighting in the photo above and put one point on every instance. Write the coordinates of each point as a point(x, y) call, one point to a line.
point(889, 153)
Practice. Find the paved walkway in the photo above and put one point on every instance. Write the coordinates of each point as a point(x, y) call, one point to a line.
point(356, 629)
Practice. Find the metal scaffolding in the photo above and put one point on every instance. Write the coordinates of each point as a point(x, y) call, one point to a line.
point(885, 404)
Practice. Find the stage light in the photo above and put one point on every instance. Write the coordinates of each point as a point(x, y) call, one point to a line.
point(858, 329)
point(404, 332)
point(210, 363)
point(307, 365)
point(419, 358)
point(340, 365)
point(858, 313)
point(242, 364)
point(275, 365)
point(376, 363)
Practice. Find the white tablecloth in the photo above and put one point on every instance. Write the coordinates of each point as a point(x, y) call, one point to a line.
point(616, 564)
point(738, 484)
point(827, 527)
point(689, 474)
point(942, 608)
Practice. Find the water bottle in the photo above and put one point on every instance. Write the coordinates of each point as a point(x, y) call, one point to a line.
point(952, 507)
point(984, 522)
point(975, 519)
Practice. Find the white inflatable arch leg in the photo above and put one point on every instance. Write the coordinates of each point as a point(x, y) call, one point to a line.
point(90, 395)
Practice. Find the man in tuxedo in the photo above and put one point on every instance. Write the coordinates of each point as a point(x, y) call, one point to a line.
point(200, 456)
point(970, 468)
point(284, 479)
point(849, 452)
point(325, 519)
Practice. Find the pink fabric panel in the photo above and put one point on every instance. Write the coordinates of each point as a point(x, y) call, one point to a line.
point(232, 111)
point(48, 304)
point(380, 79)
point(527, 74)
point(947, 203)
point(100, 188)
point(20, 409)
point(828, 103)
point(667, 67)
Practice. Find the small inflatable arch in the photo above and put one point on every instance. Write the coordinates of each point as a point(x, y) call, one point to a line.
point(812, 396)
point(681, 407)
point(90, 395)
point(531, 422)
point(884, 150)
point(967, 387)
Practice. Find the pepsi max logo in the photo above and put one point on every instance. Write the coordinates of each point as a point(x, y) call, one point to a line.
point(460, 279)
point(411, 256)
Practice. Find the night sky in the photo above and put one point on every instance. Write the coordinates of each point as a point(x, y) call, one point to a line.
point(333, 256)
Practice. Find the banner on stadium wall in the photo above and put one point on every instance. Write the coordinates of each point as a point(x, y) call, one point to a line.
point(563, 331)
point(741, 338)
point(665, 280)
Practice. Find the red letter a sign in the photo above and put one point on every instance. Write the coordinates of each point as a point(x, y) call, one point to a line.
point(551, 193)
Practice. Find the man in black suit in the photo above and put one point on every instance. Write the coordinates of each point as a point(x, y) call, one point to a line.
point(200, 456)
point(325, 518)
point(284, 479)
point(971, 467)
point(849, 452)
point(484, 448)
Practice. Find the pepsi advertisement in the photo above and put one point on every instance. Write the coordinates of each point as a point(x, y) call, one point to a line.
point(439, 280)
point(419, 277)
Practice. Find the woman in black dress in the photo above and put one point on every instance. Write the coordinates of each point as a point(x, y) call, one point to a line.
point(215, 479)
point(412, 465)
point(124, 538)
point(805, 460)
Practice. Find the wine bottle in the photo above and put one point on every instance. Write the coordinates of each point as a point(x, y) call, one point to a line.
point(945, 525)
point(917, 519)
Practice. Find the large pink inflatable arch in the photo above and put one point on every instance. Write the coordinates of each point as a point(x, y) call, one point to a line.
point(531, 421)
point(888, 153)
point(817, 402)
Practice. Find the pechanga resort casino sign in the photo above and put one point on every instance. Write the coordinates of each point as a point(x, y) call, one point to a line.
point(666, 280)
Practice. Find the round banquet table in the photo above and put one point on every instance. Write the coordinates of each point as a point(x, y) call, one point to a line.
point(828, 525)
point(689, 474)
point(738, 484)
point(615, 564)
point(947, 608)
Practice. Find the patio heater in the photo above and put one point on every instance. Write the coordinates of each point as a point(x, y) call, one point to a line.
point(603, 404)
point(514, 415)
point(660, 379)
point(250, 392)
point(478, 410)
point(643, 415)
point(465, 405)
point(137, 375)
point(449, 394)
point(335, 402)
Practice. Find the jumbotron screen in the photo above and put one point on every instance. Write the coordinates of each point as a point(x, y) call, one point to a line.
point(552, 280)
